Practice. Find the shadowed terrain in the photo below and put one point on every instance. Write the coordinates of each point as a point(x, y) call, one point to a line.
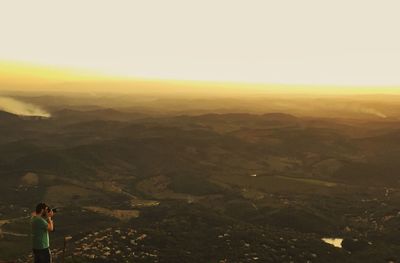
point(204, 180)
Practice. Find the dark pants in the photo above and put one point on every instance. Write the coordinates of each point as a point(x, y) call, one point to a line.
point(42, 255)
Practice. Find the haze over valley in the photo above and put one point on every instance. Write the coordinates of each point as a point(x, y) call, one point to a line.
point(200, 131)
point(243, 178)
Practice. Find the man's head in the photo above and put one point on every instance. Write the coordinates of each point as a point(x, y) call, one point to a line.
point(41, 209)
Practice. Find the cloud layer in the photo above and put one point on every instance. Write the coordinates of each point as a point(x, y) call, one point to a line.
point(21, 108)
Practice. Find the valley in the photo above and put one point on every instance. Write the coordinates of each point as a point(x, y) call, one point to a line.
point(201, 187)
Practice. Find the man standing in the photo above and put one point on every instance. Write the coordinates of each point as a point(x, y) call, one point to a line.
point(41, 225)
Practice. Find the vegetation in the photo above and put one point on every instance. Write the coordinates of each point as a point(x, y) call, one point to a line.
point(205, 188)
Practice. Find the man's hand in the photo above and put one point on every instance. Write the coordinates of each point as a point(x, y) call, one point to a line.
point(50, 225)
point(50, 214)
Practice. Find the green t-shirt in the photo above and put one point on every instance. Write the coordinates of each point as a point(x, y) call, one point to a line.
point(40, 234)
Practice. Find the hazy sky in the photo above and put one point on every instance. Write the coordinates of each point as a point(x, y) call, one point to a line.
point(336, 42)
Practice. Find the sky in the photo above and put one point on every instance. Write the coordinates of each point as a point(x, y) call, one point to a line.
point(341, 42)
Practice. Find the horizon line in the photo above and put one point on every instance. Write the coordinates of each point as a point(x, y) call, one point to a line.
point(56, 74)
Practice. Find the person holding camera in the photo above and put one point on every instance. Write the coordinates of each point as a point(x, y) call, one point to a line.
point(42, 224)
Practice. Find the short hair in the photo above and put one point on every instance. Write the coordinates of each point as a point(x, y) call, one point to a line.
point(40, 207)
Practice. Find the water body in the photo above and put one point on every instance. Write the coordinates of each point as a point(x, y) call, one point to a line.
point(336, 242)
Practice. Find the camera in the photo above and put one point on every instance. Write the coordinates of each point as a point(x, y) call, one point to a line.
point(54, 210)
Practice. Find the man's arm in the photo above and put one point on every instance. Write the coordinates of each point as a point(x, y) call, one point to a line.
point(50, 224)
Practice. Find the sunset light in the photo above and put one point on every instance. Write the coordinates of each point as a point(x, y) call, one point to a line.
point(199, 131)
point(335, 43)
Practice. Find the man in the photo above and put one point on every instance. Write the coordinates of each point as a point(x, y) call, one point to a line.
point(41, 225)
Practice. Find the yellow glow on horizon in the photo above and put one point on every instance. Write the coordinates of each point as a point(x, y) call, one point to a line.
point(17, 72)
point(26, 76)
